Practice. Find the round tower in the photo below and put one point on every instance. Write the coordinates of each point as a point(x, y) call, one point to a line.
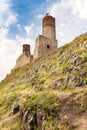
point(48, 27)
point(26, 48)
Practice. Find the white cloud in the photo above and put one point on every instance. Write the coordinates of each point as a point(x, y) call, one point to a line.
point(71, 19)
point(10, 49)
point(9, 52)
point(12, 18)
point(26, 40)
point(77, 7)
point(29, 29)
point(80, 8)
point(19, 26)
point(40, 16)
point(7, 16)
point(3, 32)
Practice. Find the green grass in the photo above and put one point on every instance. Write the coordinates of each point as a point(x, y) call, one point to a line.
point(68, 89)
point(39, 91)
point(85, 80)
point(42, 80)
point(12, 97)
point(44, 99)
point(64, 67)
point(85, 57)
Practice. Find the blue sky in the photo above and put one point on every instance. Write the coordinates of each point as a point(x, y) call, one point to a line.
point(20, 23)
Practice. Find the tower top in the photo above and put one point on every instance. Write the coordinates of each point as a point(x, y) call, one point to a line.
point(26, 48)
point(48, 20)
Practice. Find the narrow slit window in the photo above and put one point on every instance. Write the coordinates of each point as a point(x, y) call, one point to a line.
point(48, 46)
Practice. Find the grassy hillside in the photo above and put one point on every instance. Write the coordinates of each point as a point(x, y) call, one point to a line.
point(51, 91)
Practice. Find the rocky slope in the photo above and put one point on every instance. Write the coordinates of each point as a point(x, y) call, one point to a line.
point(48, 94)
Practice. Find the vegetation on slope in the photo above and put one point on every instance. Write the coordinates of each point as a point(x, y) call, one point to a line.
point(55, 85)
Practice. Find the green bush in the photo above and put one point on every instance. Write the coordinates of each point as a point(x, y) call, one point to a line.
point(85, 57)
point(11, 99)
point(42, 80)
point(85, 80)
point(1, 103)
point(45, 100)
point(64, 67)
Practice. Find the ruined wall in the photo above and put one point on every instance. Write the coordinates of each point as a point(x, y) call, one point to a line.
point(43, 46)
point(25, 57)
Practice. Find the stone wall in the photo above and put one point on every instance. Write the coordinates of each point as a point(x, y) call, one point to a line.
point(49, 32)
point(25, 57)
point(47, 41)
point(23, 60)
point(48, 27)
point(44, 45)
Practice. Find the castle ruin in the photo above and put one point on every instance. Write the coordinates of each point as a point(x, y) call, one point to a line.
point(25, 57)
point(44, 43)
point(47, 41)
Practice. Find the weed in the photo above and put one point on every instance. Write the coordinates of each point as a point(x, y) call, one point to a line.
point(45, 100)
point(13, 97)
point(64, 67)
point(85, 80)
point(42, 80)
point(85, 57)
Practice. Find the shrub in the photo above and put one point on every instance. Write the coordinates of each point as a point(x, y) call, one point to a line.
point(1, 103)
point(42, 80)
point(68, 89)
point(85, 57)
point(85, 80)
point(45, 100)
point(64, 67)
point(13, 97)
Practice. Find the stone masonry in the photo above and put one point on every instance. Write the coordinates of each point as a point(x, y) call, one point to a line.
point(25, 57)
point(44, 43)
point(47, 41)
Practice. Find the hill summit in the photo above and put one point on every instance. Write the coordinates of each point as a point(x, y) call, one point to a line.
point(48, 94)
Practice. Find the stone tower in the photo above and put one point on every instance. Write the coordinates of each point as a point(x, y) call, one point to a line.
point(48, 27)
point(25, 57)
point(47, 41)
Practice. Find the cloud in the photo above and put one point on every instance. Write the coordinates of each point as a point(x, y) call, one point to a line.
point(29, 29)
point(12, 18)
point(40, 16)
point(80, 8)
point(7, 16)
point(25, 40)
point(9, 52)
point(71, 19)
point(77, 7)
point(10, 49)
